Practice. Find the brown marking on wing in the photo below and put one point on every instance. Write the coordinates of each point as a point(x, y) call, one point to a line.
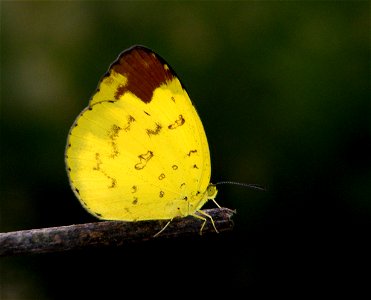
point(179, 122)
point(130, 120)
point(191, 152)
point(154, 131)
point(113, 182)
point(99, 169)
point(145, 71)
point(115, 151)
point(143, 160)
point(98, 161)
point(161, 176)
point(113, 134)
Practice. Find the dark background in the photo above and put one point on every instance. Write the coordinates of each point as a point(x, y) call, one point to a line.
point(283, 90)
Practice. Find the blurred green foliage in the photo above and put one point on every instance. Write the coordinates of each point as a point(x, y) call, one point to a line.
point(283, 90)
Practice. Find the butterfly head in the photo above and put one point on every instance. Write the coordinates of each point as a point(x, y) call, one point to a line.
point(211, 191)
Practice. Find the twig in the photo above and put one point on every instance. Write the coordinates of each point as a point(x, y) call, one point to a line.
point(107, 233)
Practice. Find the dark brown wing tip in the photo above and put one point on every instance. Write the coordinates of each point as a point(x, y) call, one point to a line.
point(144, 70)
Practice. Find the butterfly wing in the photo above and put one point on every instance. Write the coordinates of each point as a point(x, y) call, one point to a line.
point(139, 151)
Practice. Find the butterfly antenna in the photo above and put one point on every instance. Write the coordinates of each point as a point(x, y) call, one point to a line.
point(248, 185)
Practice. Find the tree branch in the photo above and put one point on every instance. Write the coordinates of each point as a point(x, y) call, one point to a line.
point(108, 233)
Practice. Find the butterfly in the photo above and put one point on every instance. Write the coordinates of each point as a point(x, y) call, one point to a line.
point(139, 150)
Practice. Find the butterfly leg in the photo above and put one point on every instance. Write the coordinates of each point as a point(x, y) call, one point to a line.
point(216, 203)
point(162, 229)
point(205, 220)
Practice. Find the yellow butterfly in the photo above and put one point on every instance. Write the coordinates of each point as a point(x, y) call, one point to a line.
point(139, 150)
